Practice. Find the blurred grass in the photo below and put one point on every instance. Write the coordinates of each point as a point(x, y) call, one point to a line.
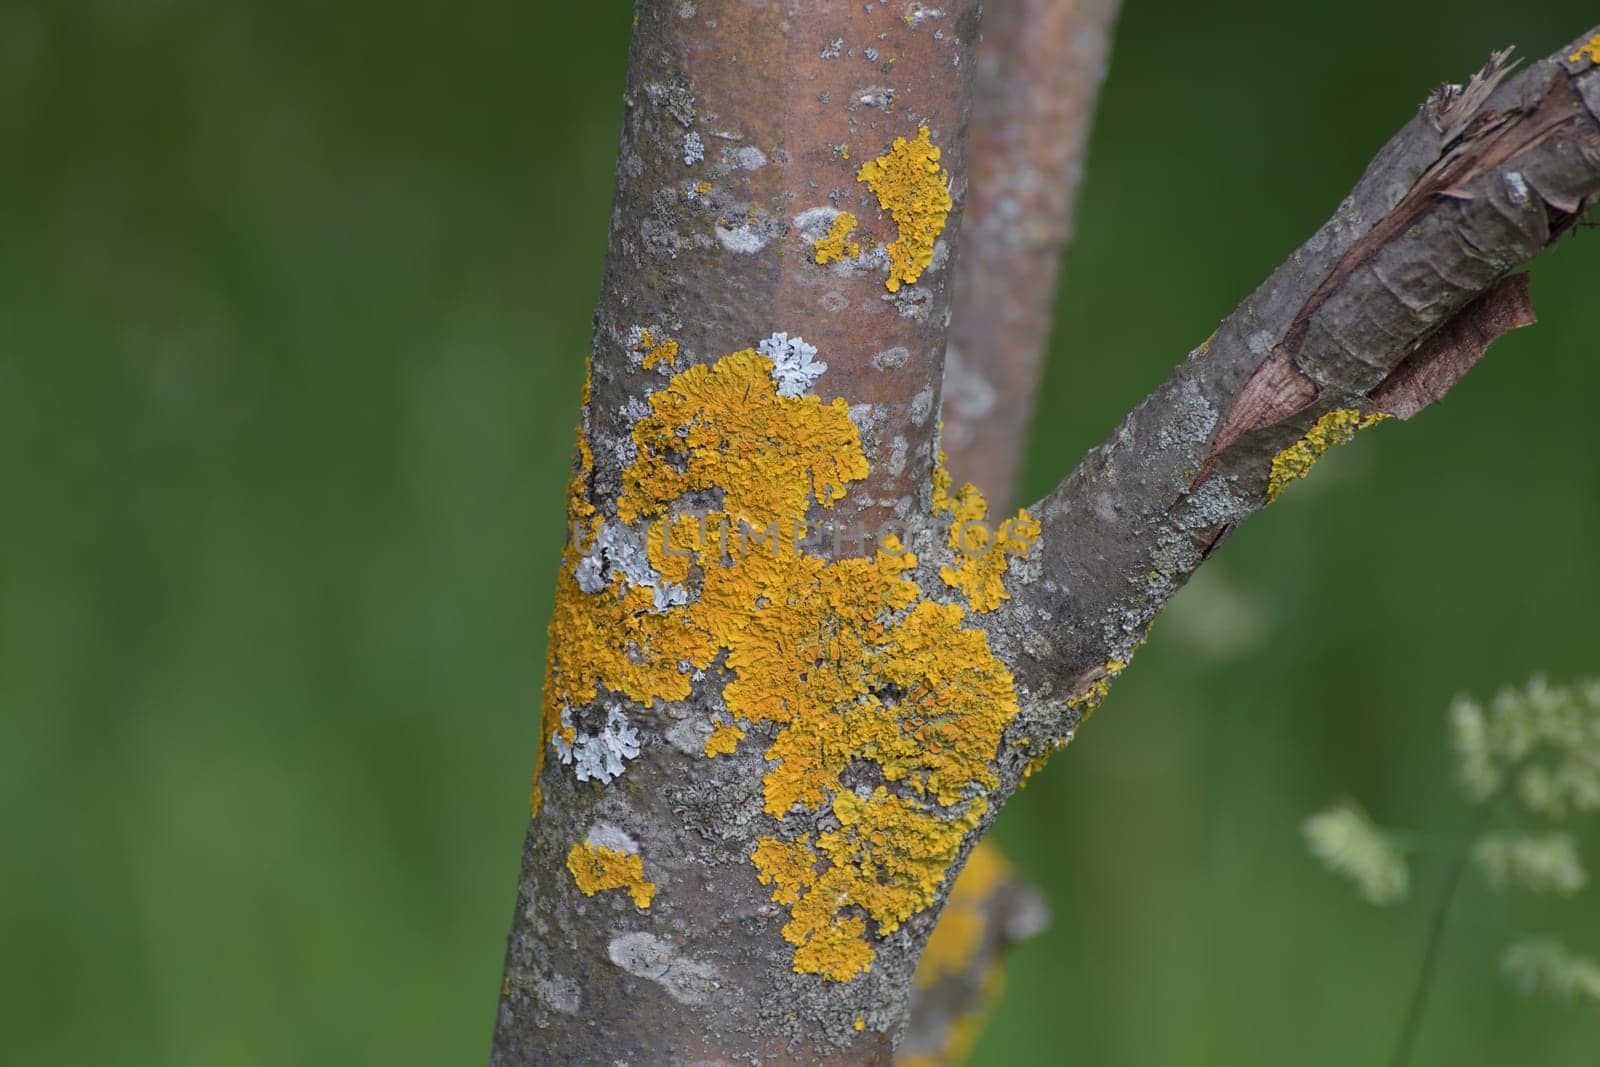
point(293, 306)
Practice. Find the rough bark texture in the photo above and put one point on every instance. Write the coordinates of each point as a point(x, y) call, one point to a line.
point(1039, 75)
point(1478, 183)
point(772, 762)
point(744, 129)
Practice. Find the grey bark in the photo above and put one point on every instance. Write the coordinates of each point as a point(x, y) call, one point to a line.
point(1470, 189)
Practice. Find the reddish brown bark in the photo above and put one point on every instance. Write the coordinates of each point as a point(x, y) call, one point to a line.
point(1039, 78)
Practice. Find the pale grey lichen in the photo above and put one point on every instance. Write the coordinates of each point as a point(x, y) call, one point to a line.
point(742, 238)
point(559, 993)
point(693, 150)
point(560, 743)
point(638, 340)
point(892, 358)
point(1518, 186)
point(746, 157)
point(635, 409)
point(793, 367)
point(600, 756)
point(813, 222)
point(676, 99)
point(644, 955)
point(590, 574)
point(620, 550)
point(608, 835)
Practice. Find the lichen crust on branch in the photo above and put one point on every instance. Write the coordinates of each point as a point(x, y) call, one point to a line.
point(881, 707)
point(1379, 314)
point(915, 190)
point(596, 867)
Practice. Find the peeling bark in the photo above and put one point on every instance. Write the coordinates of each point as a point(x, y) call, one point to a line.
point(1381, 310)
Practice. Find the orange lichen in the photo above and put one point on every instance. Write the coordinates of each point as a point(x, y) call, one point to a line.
point(834, 244)
point(982, 559)
point(915, 191)
point(724, 739)
point(953, 946)
point(653, 351)
point(887, 859)
point(768, 454)
point(1333, 429)
point(596, 868)
point(846, 658)
point(661, 352)
point(1590, 48)
point(1036, 764)
point(581, 514)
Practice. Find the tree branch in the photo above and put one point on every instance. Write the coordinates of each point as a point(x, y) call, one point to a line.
point(1378, 313)
point(764, 757)
point(1039, 74)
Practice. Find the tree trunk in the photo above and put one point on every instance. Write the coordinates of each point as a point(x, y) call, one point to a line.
point(746, 129)
point(794, 674)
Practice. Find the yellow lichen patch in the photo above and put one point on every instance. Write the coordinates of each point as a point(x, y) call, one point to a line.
point(767, 454)
point(887, 860)
point(1296, 461)
point(953, 946)
point(846, 658)
point(614, 639)
point(912, 187)
point(790, 865)
point(982, 559)
point(1035, 765)
point(1591, 49)
point(652, 351)
point(665, 351)
point(596, 868)
point(834, 244)
point(581, 514)
point(724, 739)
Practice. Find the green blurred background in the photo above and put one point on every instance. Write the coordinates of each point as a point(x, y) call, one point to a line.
point(294, 300)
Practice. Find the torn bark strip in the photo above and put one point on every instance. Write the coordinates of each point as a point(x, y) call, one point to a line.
point(1379, 313)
